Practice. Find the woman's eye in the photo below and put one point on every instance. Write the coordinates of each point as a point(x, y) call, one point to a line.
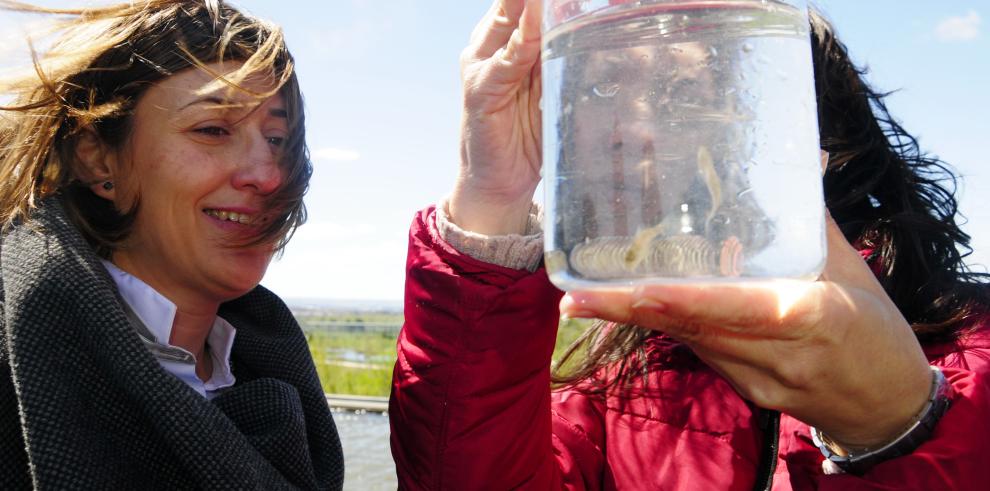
point(276, 141)
point(212, 131)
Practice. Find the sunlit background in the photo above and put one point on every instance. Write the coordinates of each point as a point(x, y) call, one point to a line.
point(383, 98)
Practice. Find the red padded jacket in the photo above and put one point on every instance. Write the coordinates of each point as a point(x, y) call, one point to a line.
point(471, 406)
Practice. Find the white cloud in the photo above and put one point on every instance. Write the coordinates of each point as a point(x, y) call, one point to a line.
point(370, 267)
point(959, 28)
point(351, 257)
point(335, 154)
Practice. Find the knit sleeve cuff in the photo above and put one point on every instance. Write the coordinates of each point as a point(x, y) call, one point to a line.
point(510, 251)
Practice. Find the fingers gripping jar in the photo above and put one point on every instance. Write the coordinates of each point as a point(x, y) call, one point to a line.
point(680, 142)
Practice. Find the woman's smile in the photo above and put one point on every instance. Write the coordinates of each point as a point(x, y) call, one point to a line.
point(201, 195)
point(229, 215)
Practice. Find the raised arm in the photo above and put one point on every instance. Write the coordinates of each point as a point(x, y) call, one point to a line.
point(470, 406)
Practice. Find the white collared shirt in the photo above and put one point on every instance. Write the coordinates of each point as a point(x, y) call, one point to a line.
point(158, 313)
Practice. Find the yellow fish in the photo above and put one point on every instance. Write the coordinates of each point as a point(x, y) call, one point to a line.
point(707, 168)
point(640, 245)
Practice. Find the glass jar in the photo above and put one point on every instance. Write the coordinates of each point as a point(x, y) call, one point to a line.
point(680, 142)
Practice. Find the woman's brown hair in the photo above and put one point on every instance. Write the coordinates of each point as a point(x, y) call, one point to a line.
point(90, 78)
point(885, 194)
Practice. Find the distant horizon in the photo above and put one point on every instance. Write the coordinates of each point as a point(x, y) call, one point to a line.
point(357, 304)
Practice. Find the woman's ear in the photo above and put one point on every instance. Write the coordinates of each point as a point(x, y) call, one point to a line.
point(96, 164)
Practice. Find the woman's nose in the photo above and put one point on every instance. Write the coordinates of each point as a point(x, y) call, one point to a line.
point(259, 170)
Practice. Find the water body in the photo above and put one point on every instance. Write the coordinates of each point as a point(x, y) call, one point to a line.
point(368, 462)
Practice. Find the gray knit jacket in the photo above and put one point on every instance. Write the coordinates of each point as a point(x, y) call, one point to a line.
point(84, 405)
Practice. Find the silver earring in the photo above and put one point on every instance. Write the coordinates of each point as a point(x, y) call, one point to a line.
point(108, 185)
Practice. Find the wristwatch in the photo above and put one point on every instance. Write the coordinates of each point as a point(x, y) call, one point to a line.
point(919, 431)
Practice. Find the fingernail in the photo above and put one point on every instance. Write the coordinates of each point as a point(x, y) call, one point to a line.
point(649, 304)
point(571, 308)
point(577, 314)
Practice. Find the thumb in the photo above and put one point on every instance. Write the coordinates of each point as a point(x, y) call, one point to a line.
point(844, 264)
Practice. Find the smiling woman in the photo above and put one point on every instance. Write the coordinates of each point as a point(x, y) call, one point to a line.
point(204, 173)
point(151, 165)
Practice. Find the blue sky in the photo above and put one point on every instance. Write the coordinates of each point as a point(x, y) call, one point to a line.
point(382, 92)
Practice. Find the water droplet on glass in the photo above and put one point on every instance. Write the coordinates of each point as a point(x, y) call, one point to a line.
point(713, 51)
point(606, 89)
point(744, 192)
point(747, 47)
point(568, 108)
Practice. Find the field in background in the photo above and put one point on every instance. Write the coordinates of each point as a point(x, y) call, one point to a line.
point(354, 351)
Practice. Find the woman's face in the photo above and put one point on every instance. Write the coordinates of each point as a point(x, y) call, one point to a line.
point(201, 165)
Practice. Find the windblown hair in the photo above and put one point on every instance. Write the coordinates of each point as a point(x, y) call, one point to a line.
point(96, 69)
point(884, 193)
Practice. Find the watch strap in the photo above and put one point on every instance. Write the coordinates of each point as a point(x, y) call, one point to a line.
point(918, 432)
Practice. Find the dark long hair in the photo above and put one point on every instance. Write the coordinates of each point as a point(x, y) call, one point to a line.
point(885, 194)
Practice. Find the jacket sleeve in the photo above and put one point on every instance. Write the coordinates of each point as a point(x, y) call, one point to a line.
point(958, 454)
point(470, 404)
point(14, 472)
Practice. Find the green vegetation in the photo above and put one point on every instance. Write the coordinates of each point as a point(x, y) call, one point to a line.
point(316, 318)
point(355, 381)
point(357, 347)
point(567, 333)
point(356, 363)
point(352, 361)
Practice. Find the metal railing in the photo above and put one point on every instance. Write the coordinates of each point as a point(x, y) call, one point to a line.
point(358, 403)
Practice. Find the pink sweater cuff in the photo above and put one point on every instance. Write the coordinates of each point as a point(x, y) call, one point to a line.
point(510, 251)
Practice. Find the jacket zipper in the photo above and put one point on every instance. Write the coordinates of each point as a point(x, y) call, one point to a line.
point(769, 421)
